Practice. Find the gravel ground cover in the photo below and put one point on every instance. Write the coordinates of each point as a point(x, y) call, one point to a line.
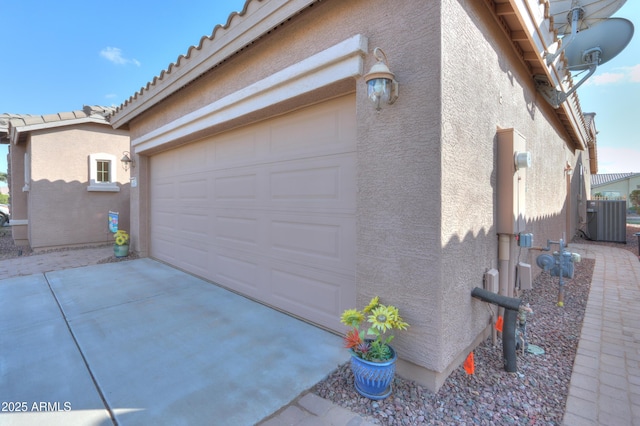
point(8, 249)
point(535, 395)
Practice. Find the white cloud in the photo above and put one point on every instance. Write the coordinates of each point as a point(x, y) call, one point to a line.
point(634, 73)
point(607, 78)
point(114, 54)
point(623, 74)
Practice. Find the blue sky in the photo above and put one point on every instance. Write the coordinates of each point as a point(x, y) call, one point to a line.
point(59, 56)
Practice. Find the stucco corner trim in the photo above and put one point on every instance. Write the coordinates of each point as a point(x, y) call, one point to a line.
point(338, 62)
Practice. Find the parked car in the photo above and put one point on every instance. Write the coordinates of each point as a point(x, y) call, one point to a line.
point(4, 214)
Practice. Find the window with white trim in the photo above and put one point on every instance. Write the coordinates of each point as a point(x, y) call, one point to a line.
point(102, 173)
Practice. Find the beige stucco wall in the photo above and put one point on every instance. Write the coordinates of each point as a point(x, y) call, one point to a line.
point(486, 87)
point(60, 210)
point(425, 166)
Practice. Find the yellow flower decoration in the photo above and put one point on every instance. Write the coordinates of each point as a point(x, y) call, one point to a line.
point(381, 318)
point(372, 305)
point(121, 237)
point(352, 317)
point(372, 343)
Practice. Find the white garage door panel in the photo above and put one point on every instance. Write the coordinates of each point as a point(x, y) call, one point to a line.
point(237, 230)
point(193, 190)
point(242, 187)
point(325, 183)
point(195, 221)
point(308, 239)
point(241, 273)
point(267, 210)
point(194, 256)
point(324, 241)
point(306, 290)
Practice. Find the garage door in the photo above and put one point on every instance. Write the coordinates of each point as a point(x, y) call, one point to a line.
point(267, 210)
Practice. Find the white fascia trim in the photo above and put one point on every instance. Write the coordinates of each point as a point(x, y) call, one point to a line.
point(341, 61)
point(18, 222)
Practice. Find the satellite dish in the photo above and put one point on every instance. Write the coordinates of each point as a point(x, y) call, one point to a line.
point(590, 12)
point(572, 16)
point(588, 50)
point(599, 44)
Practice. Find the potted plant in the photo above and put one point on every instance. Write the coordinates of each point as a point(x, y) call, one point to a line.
point(121, 245)
point(373, 359)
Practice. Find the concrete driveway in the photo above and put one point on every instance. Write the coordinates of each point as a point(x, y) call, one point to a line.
point(139, 343)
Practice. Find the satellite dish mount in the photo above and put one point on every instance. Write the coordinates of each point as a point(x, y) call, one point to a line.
point(575, 16)
point(588, 49)
point(591, 59)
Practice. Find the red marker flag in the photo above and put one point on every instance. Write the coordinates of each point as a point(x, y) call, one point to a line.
point(468, 365)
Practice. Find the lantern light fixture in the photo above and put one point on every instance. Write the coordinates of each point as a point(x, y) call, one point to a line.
point(126, 160)
point(381, 83)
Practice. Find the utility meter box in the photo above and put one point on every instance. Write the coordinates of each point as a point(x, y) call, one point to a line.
point(513, 160)
point(524, 276)
point(525, 240)
point(491, 280)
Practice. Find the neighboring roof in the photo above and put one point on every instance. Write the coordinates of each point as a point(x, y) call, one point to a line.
point(607, 178)
point(5, 119)
point(14, 127)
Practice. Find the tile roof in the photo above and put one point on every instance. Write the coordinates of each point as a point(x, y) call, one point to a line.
point(193, 58)
point(606, 178)
point(17, 120)
point(10, 123)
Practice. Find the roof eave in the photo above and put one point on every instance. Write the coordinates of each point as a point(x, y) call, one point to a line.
point(528, 25)
point(241, 30)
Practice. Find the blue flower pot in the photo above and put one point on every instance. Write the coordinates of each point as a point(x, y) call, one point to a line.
point(373, 379)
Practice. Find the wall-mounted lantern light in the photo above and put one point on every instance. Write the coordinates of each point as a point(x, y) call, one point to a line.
point(127, 161)
point(381, 83)
point(568, 170)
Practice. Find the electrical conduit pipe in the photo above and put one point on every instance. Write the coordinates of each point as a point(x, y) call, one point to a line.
point(511, 306)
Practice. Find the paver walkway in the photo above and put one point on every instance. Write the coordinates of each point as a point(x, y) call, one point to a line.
point(605, 384)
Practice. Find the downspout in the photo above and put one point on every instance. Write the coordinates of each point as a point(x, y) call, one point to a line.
point(568, 171)
point(504, 247)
